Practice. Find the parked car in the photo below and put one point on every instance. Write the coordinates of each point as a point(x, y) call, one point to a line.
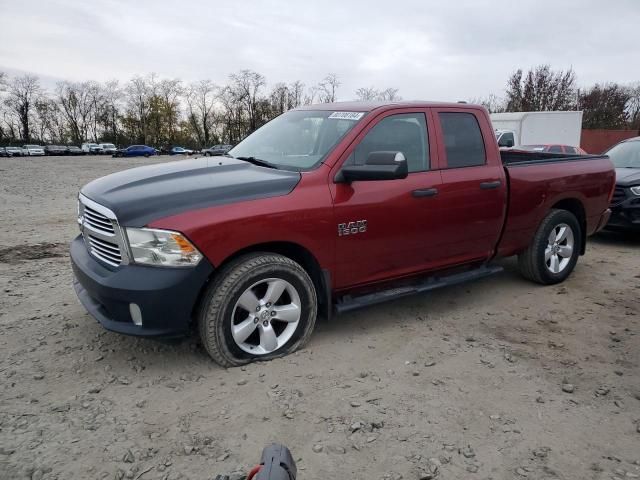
point(15, 151)
point(326, 208)
point(56, 150)
point(108, 148)
point(91, 149)
point(5, 153)
point(567, 149)
point(180, 151)
point(625, 204)
point(74, 150)
point(216, 150)
point(32, 150)
point(136, 151)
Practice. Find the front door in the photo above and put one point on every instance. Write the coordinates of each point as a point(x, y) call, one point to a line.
point(387, 228)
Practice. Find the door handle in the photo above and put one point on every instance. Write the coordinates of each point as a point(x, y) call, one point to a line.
point(490, 185)
point(425, 192)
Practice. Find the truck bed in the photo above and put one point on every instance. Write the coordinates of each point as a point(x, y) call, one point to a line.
point(522, 157)
point(540, 181)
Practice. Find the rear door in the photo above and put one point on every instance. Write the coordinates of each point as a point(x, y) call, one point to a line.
point(388, 228)
point(473, 195)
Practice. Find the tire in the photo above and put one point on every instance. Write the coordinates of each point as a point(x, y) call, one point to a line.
point(537, 262)
point(220, 309)
point(146, 155)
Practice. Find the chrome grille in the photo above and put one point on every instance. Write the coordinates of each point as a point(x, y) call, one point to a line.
point(618, 196)
point(98, 221)
point(101, 232)
point(105, 251)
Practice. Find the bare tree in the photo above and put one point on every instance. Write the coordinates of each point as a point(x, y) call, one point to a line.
point(138, 108)
point(327, 88)
point(171, 91)
point(296, 92)
point(22, 94)
point(75, 103)
point(110, 112)
point(247, 85)
point(633, 106)
point(366, 94)
point(201, 99)
point(279, 99)
point(492, 103)
point(389, 94)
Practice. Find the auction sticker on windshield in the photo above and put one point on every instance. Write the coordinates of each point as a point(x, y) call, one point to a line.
point(347, 115)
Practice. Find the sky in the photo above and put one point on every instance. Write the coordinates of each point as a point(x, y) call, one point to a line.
point(429, 50)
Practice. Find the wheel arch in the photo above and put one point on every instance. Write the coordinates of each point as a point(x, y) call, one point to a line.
point(575, 206)
point(320, 277)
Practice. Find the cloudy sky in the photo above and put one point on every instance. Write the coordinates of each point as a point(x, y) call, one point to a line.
point(438, 50)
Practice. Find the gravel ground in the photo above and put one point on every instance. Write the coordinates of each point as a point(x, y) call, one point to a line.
point(496, 379)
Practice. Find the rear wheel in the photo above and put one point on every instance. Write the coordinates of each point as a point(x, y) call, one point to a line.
point(554, 249)
point(260, 306)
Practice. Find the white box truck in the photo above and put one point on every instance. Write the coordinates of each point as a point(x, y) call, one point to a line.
point(537, 128)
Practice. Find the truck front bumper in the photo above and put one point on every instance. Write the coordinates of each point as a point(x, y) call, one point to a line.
point(163, 298)
point(626, 215)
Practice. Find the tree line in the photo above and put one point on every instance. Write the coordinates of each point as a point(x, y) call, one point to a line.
point(605, 106)
point(155, 111)
point(163, 111)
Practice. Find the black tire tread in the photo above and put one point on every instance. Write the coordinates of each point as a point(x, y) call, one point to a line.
point(218, 291)
point(528, 263)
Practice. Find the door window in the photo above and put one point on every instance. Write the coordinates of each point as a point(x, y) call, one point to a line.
point(568, 149)
point(555, 149)
point(464, 145)
point(406, 133)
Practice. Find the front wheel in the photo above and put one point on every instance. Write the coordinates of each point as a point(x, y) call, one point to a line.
point(259, 307)
point(554, 250)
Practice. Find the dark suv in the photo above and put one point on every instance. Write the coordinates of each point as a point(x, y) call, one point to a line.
point(625, 204)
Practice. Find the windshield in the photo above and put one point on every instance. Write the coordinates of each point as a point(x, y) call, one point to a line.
point(625, 155)
point(299, 139)
point(108, 145)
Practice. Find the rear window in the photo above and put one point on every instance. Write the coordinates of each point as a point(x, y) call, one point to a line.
point(464, 145)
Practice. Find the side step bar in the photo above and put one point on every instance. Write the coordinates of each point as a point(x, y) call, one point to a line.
point(349, 302)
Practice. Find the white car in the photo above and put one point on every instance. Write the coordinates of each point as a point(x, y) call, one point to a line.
point(32, 150)
point(91, 149)
point(108, 148)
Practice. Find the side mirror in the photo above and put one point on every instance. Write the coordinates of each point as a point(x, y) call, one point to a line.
point(379, 166)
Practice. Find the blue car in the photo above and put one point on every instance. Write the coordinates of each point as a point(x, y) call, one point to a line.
point(135, 151)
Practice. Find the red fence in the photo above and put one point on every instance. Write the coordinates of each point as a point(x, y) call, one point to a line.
point(597, 141)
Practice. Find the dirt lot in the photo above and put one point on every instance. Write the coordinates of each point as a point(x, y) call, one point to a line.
point(497, 379)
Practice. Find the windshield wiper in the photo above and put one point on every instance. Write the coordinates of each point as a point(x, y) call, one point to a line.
point(257, 161)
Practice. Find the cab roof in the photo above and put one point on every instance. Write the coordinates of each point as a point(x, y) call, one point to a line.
point(370, 106)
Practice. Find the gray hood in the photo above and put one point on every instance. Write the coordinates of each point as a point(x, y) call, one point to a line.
point(141, 195)
point(627, 177)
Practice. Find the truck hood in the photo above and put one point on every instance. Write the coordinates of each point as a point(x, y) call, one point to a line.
point(627, 177)
point(141, 195)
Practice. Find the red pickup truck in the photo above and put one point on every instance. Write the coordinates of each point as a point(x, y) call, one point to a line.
point(325, 209)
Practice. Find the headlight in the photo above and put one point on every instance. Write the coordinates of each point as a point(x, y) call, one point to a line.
point(162, 247)
point(635, 190)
